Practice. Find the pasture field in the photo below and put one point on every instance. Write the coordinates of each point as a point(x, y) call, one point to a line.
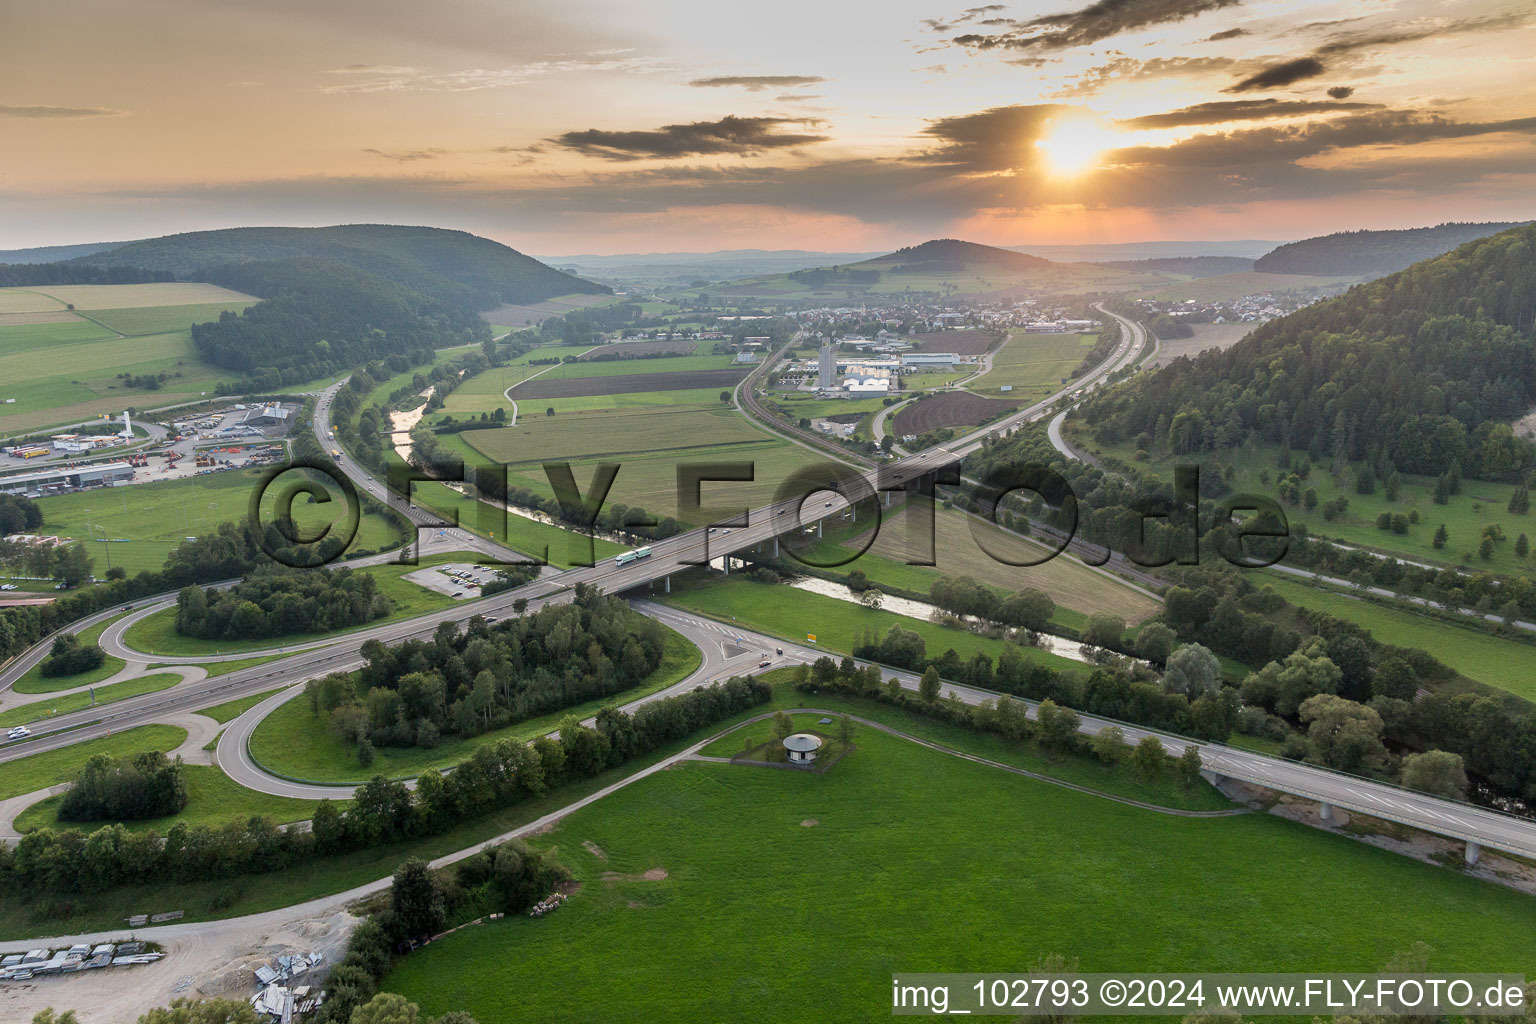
point(927, 379)
point(39, 771)
point(213, 798)
point(1033, 364)
point(126, 296)
point(37, 710)
point(1506, 664)
point(28, 300)
point(800, 895)
point(606, 433)
point(906, 535)
point(797, 405)
point(524, 315)
point(957, 409)
point(650, 480)
point(786, 612)
point(1221, 287)
point(293, 741)
point(1479, 504)
point(155, 319)
point(145, 521)
point(67, 372)
point(1206, 336)
point(156, 634)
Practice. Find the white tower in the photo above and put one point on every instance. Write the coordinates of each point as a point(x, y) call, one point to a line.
point(127, 430)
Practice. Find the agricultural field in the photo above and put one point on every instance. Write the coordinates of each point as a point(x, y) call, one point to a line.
point(1206, 336)
point(519, 316)
point(145, 521)
point(555, 385)
point(905, 537)
point(133, 296)
point(1480, 504)
point(563, 548)
point(800, 894)
point(806, 406)
point(1034, 365)
point(637, 349)
point(156, 319)
point(67, 372)
point(294, 742)
point(956, 409)
point(610, 433)
point(682, 365)
point(1506, 664)
point(963, 342)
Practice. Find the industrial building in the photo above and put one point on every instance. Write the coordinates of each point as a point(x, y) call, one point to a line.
point(100, 474)
point(826, 376)
point(273, 415)
point(944, 359)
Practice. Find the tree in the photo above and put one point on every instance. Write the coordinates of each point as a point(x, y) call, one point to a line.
point(1058, 725)
point(725, 397)
point(928, 686)
point(1441, 537)
point(1028, 609)
point(417, 899)
point(845, 729)
point(386, 1008)
point(858, 582)
point(1155, 642)
point(202, 1011)
point(1149, 757)
point(1193, 671)
point(1436, 771)
point(456, 1017)
point(1109, 745)
point(1522, 546)
point(1344, 734)
point(1103, 630)
point(1189, 764)
point(872, 598)
point(49, 1016)
point(783, 725)
point(549, 411)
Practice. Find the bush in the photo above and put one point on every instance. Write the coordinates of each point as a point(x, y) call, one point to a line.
point(71, 656)
point(148, 785)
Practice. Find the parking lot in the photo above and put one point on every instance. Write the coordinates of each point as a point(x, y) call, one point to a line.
point(461, 580)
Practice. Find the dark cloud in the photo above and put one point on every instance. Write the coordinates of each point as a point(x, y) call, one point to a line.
point(993, 139)
point(1222, 111)
point(1341, 92)
point(406, 156)
point(1279, 75)
point(46, 112)
point(1231, 33)
point(1099, 20)
point(728, 136)
point(756, 83)
point(796, 97)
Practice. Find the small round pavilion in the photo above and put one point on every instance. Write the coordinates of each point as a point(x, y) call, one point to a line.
point(802, 747)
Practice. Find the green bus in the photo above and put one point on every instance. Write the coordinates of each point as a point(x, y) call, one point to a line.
point(632, 556)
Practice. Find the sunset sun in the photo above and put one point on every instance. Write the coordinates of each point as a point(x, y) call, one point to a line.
point(1074, 145)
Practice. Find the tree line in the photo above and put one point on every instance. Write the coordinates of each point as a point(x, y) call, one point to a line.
point(61, 864)
point(275, 601)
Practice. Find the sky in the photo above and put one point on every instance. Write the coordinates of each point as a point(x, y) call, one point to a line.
point(603, 126)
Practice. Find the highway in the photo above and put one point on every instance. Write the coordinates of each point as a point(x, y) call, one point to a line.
point(764, 525)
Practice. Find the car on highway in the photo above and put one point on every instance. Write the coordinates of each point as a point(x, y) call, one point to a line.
point(765, 663)
point(21, 732)
point(8, 586)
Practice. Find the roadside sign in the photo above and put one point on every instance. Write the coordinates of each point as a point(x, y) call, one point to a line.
point(810, 638)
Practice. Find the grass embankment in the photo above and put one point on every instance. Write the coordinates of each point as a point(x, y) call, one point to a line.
point(837, 625)
point(41, 709)
point(1507, 664)
point(213, 798)
point(293, 741)
point(51, 767)
point(35, 682)
point(156, 634)
point(233, 709)
point(815, 888)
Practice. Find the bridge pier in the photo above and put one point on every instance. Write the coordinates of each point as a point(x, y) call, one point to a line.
point(726, 562)
point(1474, 852)
point(669, 583)
point(818, 528)
point(887, 497)
point(775, 547)
point(1213, 777)
point(1325, 811)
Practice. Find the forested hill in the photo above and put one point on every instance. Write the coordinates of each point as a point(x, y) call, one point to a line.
point(957, 253)
point(318, 319)
point(1420, 371)
point(1372, 252)
point(451, 266)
